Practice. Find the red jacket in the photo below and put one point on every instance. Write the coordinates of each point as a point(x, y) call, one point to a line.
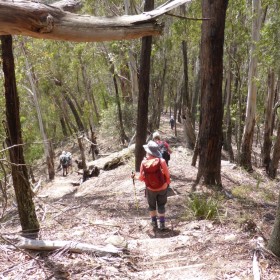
point(164, 170)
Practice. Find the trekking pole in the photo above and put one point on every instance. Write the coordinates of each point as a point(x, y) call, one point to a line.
point(135, 197)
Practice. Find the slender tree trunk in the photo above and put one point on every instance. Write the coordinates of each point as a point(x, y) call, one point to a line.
point(273, 243)
point(75, 112)
point(89, 96)
point(26, 207)
point(248, 133)
point(187, 122)
point(227, 143)
point(161, 93)
point(143, 98)
point(123, 136)
point(210, 129)
point(189, 132)
point(273, 164)
point(268, 126)
point(177, 101)
point(33, 91)
point(240, 116)
point(93, 147)
point(157, 99)
point(82, 150)
point(195, 96)
point(132, 63)
point(185, 96)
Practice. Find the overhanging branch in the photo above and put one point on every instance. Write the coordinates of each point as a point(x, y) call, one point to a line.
point(20, 17)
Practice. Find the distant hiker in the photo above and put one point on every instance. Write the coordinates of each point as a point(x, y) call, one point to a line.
point(163, 146)
point(172, 122)
point(154, 172)
point(65, 160)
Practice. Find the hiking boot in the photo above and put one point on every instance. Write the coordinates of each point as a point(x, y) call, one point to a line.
point(162, 226)
point(154, 224)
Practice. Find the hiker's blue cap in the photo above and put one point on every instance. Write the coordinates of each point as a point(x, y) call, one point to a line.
point(152, 148)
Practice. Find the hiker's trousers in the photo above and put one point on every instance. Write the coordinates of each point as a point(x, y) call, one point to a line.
point(157, 200)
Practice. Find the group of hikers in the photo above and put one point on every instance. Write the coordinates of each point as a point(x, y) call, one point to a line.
point(155, 173)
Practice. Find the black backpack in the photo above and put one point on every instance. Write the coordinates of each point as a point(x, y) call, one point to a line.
point(164, 152)
point(64, 160)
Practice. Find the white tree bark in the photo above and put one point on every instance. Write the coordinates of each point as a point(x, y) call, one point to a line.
point(21, 17)
point(248, 132)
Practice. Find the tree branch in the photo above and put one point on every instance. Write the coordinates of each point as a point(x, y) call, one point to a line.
point(21, 17)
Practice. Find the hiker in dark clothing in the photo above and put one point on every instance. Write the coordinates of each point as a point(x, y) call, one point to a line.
point(154, 172)
point(65, 161)
point(172, 122)
point(163, 146)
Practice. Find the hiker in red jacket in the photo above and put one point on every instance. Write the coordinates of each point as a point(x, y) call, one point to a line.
point(154, 172)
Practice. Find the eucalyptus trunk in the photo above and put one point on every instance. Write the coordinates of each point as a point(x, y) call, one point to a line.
point(157, 99)
point(273, 244)
point(89, 96)
point(273, 164)
point(74, 111)
point(227, 138)
point(47, 146)
point(143, 98)
point(26, 208)
point(196, 92)
point(123, 135)
point(268, 126)
point(248, 132)
point(189, 131)
point(84, 164)
point(210, 129)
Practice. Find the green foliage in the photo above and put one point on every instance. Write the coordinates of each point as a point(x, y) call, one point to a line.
point(204, 206)
point(110, 126)
point(33, 152)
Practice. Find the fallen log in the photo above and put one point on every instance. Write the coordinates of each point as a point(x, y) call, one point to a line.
point(114, 160)
point(71, 246)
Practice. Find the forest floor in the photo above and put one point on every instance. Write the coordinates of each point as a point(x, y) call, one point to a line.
point(108, 210)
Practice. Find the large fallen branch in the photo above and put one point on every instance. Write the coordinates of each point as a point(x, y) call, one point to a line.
point(76, 247)
point(114, 160)
point(20, 17)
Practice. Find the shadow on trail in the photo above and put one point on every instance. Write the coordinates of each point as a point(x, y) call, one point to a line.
point(167, 233)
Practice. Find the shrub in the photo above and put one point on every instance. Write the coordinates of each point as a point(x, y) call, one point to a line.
point(204, 207)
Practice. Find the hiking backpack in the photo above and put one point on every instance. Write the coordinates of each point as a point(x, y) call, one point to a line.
point(164, 152)
point(64, 160)
point(154, 177)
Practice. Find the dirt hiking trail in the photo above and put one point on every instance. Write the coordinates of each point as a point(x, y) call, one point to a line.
point(108, 210)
